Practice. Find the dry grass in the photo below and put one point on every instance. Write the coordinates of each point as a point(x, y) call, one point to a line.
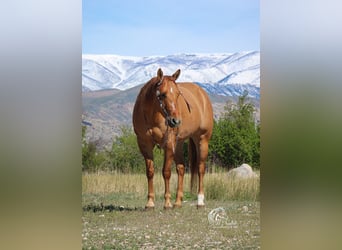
point(223, 187)
point(217, 186)
point(105, 184)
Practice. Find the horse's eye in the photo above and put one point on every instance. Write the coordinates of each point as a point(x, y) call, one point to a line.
point(162, 96)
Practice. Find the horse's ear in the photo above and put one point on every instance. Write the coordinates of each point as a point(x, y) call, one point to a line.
point(160, 74)
point(176, 74)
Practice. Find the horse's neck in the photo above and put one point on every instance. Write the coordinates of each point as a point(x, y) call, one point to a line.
point(149, 101)
point(153, 117)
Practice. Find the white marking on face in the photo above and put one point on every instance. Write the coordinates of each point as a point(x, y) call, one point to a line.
point(173, 107)
point(173, 147)
point(171, 90)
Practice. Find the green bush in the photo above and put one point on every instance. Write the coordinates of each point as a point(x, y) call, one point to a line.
point(125, 156)
point(93, 159)
point(236, 136)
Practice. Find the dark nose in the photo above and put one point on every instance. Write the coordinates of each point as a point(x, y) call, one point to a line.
point(173, 122)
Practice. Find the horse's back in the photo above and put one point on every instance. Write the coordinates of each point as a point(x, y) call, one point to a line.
point(198, 96)
point(200, 105)
point(196, 91)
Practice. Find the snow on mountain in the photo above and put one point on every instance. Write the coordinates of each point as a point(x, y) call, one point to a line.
point(224, 74)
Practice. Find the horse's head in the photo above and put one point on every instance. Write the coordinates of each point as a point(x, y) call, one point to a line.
point(167, 94)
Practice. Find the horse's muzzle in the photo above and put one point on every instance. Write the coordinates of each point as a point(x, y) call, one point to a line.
point(173, 122)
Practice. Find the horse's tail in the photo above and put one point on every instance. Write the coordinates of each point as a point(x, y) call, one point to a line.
point(193, 166)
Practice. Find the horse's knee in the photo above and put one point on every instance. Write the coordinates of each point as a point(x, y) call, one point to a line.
point(166, 173)
point(149, 173)
point(150, 170)
point(180, 169)
point(201, 169)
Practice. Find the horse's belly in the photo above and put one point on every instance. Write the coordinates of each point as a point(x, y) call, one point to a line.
point(188, 127)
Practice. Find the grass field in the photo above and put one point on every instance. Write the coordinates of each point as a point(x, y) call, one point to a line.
point(131, 227)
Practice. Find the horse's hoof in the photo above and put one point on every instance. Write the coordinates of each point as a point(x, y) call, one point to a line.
point(167, 207)
point(200, 206)
point(177, 205)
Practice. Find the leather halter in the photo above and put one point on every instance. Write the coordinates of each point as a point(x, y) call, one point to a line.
point(167, 115)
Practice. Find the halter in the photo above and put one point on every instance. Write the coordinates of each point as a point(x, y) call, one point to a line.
point(167, 115)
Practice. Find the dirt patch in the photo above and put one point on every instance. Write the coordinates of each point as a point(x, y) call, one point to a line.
point(109, 208)
point(128, 227)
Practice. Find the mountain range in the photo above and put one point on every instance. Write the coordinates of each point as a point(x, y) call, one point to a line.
point(227, 74)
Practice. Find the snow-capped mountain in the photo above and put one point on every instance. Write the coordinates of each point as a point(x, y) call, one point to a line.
point(223, 74)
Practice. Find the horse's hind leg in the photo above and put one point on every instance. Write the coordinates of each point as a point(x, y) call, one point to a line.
point(147, 151)
point(203, 154)
point(179, 160)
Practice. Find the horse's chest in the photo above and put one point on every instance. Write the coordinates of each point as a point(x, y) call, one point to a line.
point(158, 136)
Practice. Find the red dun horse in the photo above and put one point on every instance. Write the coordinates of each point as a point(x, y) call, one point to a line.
point(167, 113)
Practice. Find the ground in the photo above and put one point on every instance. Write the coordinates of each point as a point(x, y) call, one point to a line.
point(129, 226)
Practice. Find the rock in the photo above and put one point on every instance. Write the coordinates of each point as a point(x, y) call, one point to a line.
point(244, 172)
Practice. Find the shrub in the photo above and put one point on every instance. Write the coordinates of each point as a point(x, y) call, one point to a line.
point(125, 155)
point(236, 136)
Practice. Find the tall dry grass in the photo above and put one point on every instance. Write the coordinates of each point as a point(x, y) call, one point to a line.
point(217, 186)
point(106, 183)
point(224, 187)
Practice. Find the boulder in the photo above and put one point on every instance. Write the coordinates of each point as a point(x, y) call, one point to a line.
point(244, 172)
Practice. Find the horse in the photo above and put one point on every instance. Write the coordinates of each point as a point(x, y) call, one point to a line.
point(166, 114)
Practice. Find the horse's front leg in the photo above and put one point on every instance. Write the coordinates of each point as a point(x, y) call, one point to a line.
point(179, 160)
point(146, 149)
point(149, 175)
point(168, 158)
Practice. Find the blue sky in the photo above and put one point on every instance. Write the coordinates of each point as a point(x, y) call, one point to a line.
point(152, 27)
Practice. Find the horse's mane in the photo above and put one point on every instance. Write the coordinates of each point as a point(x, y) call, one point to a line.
point(147, 90)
